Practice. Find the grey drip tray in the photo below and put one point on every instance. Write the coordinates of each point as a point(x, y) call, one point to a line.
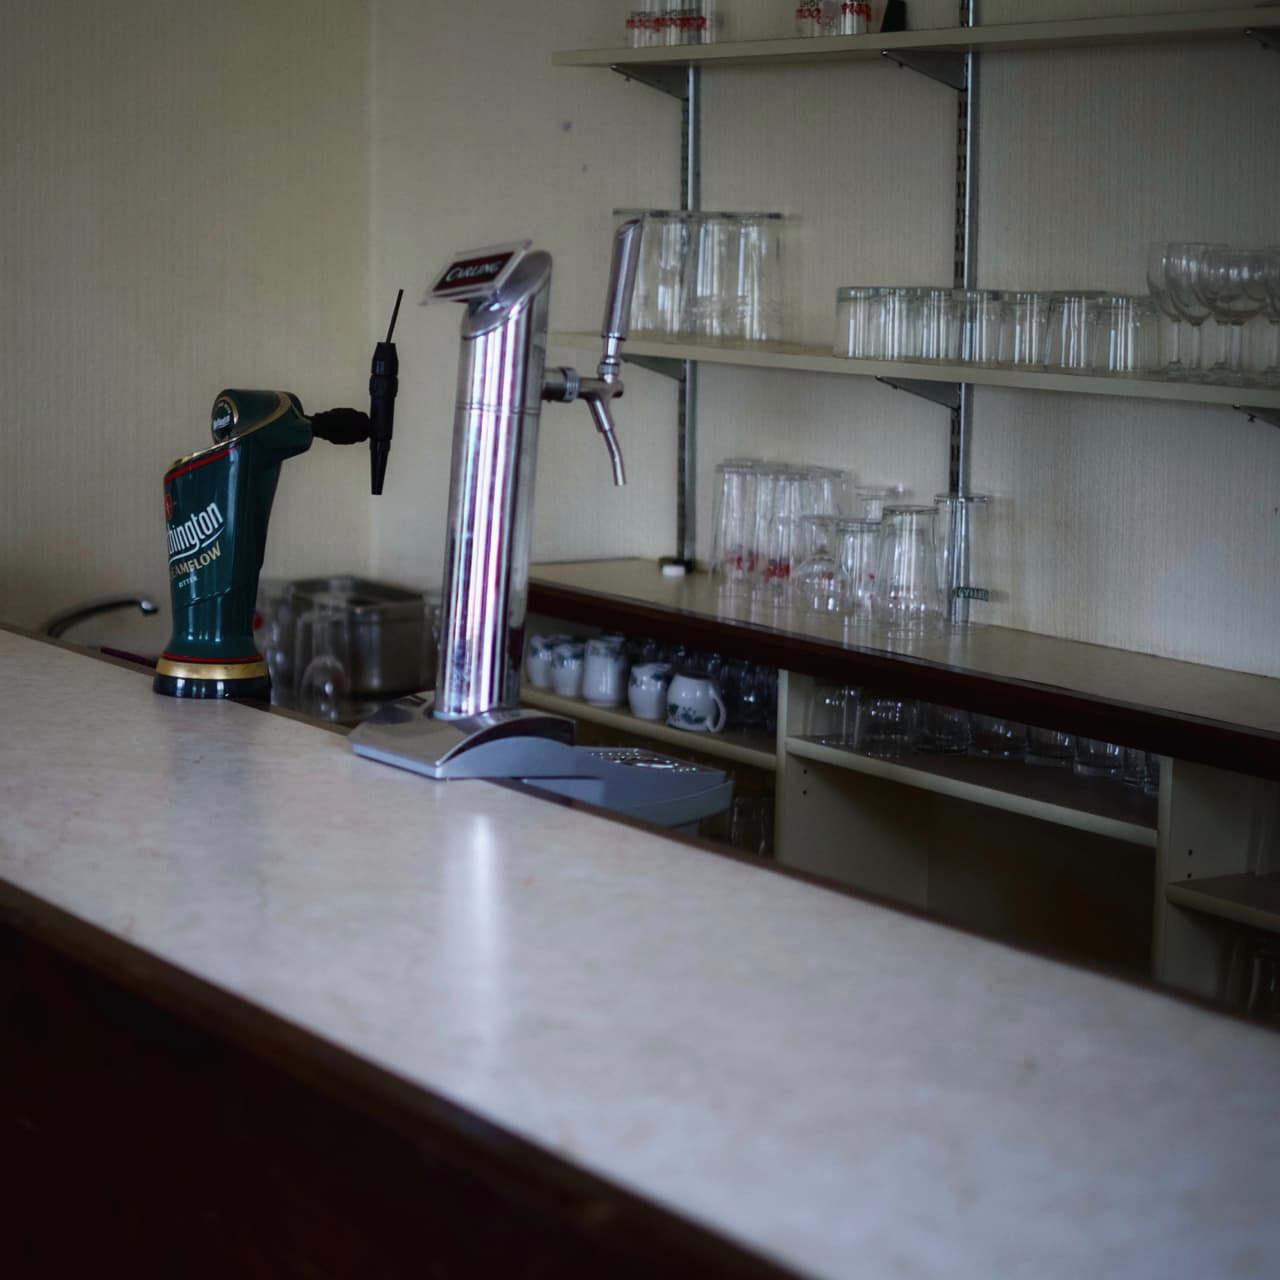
point(643, 784)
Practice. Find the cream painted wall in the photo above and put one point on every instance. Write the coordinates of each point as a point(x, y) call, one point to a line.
point(184, 194)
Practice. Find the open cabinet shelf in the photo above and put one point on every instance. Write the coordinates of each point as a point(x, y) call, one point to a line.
point(1243, 899)
point(754, 749)
point(1099, 806)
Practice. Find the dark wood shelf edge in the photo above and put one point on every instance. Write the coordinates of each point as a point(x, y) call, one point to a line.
point(1209, 742)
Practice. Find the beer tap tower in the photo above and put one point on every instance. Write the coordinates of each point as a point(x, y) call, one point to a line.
point(473, 726)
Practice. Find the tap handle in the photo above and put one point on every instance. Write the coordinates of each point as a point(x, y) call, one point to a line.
point(622, 283)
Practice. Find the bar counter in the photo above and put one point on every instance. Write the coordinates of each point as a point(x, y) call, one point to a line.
point(598, 1048)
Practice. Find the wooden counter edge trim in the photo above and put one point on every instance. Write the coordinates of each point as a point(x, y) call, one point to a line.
point(1210, 742)
point(585, 1216)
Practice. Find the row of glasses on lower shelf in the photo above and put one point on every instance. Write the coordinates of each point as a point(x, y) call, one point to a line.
point(781, 538)
point(890, 727)
point(685, 688)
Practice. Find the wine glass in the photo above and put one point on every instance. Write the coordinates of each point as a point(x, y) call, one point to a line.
point(1157, 257)
point(1179, 267)
point(1232, 284)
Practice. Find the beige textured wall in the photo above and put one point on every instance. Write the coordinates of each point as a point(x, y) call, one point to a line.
point(183, 206)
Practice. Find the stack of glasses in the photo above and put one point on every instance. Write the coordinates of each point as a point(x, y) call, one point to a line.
point(1084, 332)
point(708, 277)
point(781, 536)
point(655, 22)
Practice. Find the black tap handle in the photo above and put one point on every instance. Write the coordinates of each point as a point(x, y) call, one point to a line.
point(384, 382)
point(341, 426)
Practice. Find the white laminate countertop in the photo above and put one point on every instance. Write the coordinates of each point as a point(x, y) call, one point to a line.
point(848, 1090)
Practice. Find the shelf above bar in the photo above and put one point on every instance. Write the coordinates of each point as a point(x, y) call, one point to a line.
point(1227, 719)
point(1242, 899)
point(794, 358)
point(742, 748)
point(1162, 28)
point(1099, 806)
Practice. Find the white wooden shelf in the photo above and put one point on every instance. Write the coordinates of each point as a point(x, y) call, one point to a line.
point(1243, 899)
point(754, 749)
point(1097, 806)
point(796, 358)
point(1162, 28)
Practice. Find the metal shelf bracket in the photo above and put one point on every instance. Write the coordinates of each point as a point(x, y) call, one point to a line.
point(945, 68)
point(1259, 413)
point(947, 394)
point(673, 81)
point(1267, 37)
point(672, 367)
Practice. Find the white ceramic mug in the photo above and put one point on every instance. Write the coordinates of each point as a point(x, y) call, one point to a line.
point(604, 677)
point(567, 662)
point(647, 690)
point(694, 703)
point(537, 663)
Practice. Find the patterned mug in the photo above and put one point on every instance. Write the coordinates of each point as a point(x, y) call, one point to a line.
point(694, 703)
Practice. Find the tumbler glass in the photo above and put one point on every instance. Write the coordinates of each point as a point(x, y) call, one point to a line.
point(1098, 759)
point(1069, 336)
point(941, 730)
point(832, 714)
point(1051, 748)
point(691, 22)
point(979, 320)
point(906, 599)
point(710, 263)
point(997, 739)
point(860, 322)
point(886, 726)
point(645, 27)
point(899, 323)
point(751, 824)
point(827, 490)
point(755, 310)
point(855, 17)
point(818, 18)
point(733, 550)
point(859, 541)
point(664, 247)
point(959, 550)
point(935, 313)
point(1123, 335)
point(779, 522)
point(322, 658)
point(1026, 320)
point(871, 500)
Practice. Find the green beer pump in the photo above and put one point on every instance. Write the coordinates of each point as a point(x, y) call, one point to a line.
point(217, 504)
